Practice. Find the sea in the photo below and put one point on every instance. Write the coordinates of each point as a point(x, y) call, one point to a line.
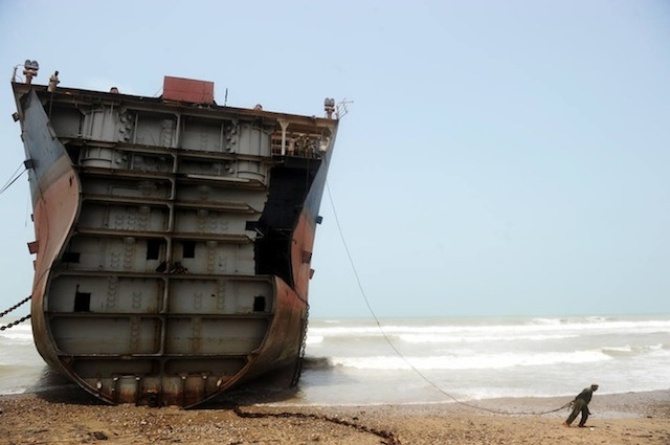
point(438, 360)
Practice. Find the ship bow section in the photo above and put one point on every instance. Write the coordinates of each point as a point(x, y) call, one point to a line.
point(181, 264)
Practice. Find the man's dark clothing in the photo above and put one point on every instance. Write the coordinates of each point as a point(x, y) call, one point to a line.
point(581, 404)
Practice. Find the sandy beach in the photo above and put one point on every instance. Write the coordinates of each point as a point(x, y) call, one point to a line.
point(71, 417)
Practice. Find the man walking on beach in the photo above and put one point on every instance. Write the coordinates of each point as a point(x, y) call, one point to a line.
point(581, 404)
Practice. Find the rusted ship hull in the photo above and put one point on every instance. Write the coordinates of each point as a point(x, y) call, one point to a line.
point(173, 238)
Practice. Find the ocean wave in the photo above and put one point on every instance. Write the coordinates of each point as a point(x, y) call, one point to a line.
point(536, 328)
point(438, 338)
point(589, 319)
point(12, 391)
point(449, 362)
point(314, 339)
point(620, 351)
point(16, 337)
point(547, 321)
point(22, 332)
point(628, 350)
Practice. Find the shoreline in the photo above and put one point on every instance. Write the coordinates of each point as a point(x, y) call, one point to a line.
point(67, 416)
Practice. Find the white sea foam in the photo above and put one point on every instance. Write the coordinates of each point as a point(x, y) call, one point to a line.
point(22, 332)
point(314, 339)
point(544, 326)
point(493, 361)
point(546, 321)
point(618, 349)
point(441, 338)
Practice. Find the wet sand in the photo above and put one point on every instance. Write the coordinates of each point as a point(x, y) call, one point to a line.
point(73, 417)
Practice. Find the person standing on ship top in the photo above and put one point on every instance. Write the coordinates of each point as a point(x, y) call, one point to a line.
point(581, 404)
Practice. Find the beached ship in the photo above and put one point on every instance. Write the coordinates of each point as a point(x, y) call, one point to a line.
point(173, 236)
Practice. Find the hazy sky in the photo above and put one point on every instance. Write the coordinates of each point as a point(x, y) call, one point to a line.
point(499, 157)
